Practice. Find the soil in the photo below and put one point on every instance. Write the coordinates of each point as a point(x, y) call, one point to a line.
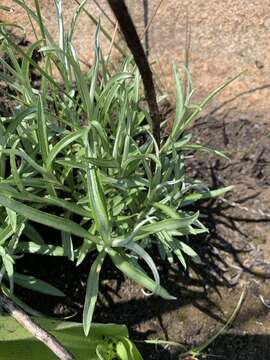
point(226, 38)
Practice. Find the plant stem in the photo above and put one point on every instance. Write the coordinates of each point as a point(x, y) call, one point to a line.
point(128, 29)
point(42, 335)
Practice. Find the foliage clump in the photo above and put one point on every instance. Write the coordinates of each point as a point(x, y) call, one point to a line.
point(83, 145)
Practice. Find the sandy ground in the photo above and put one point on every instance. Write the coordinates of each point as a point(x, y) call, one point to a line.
point(227, 37)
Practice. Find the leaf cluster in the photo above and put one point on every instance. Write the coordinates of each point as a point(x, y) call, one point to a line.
point(83, 145)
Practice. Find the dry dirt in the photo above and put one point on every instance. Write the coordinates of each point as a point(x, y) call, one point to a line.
point(227, 37)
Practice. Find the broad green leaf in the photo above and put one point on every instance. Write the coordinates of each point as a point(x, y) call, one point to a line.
point(126, 350)
point(16, 340)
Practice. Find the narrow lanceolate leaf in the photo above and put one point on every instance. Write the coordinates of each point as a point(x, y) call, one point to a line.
point(42, 132)
point(68, 139)
point(180, 108)
point(8, 263)
point(167, 210)
point(104, 163)
point(32, 283)
point(125, 349)
point(5, 8)
point(41, 217)
point(61, 203)
point(28, 159)
point(72, 164)
point(34, 248)
point(169, 224)
point(13, 166)
point(12, 217)
point(74, 20)
point(5, 232)
point(207, 100)
point(14, 340)
point(21, 304)
point(18, 118)
point(92, 292)
point(85, 248)
point(67, 245)
point(191, 198)
point(123, 263)
point(190, 252)
point(98, 204)
point(32, 234)
point(138, 250)
point(199, 147)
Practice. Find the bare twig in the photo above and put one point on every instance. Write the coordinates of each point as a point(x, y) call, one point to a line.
point(104, 13)
point(102, 29)
point(23, 319)
point(187, 51)
point(128, 29)
point(113, 40)
point(146, 29)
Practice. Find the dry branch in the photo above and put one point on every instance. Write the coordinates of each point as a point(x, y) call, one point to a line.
point(128, 29)
point(42, 335)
